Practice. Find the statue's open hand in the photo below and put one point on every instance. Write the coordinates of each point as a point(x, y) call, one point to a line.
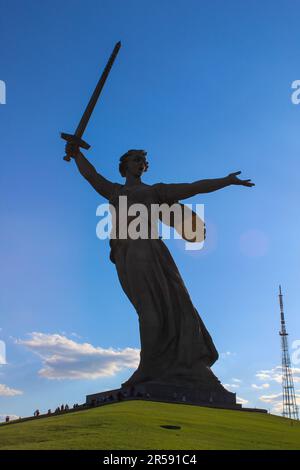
point(233, 179)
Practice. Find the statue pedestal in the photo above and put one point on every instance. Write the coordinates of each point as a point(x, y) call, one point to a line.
point(203, 389)
point(196, 386)
point(219, 396)
point(170, 394)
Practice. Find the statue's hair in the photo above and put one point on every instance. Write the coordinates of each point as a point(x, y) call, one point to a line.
point(131, 153)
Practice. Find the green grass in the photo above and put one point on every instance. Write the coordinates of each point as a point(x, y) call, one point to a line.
point(136, 425)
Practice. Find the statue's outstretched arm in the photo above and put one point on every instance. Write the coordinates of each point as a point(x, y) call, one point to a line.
point(88, 171)
point(178, 191)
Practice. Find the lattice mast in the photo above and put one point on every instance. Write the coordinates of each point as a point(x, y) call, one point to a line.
point(289, 405)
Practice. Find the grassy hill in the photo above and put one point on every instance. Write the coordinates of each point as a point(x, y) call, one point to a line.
point(137, 425)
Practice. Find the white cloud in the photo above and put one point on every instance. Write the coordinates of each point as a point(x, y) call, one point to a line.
point(270, 374)
point(6, 391)
point(271, 398)
point(76, 335)
point(275, 401)
point(275, 374)
point(277, 408)
point(231, 386)
point(226, 354)
point(64, 358)
point(260, 387)
point(296, 374)
point(236, 384)
point(241, 400)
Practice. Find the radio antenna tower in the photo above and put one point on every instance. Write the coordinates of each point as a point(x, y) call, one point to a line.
point(289, 405)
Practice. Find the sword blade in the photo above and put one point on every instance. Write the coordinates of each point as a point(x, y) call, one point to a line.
point(94, 98)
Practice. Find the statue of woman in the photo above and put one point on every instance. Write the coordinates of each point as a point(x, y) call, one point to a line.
point(176, 348)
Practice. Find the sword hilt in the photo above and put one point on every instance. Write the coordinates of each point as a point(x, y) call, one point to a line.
point(74, 139)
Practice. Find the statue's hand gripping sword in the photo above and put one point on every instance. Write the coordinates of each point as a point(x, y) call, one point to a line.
point(76, 138)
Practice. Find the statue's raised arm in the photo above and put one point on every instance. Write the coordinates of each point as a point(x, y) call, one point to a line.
point(89, 172)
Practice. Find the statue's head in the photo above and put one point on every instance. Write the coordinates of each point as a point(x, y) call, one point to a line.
point(133, 162)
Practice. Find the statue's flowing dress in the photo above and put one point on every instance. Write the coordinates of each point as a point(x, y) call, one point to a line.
point(176, 347)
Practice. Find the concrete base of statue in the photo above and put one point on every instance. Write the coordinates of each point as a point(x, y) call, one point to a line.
point(154, 391)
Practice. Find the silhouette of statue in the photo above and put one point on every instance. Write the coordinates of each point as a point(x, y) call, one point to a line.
point(176, 348)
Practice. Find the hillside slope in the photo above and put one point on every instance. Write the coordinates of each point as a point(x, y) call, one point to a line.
point(137, 425)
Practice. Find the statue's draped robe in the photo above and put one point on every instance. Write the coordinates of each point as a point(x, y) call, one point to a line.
point(176, 347)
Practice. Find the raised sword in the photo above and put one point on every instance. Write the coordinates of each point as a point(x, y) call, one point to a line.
point(76, 138)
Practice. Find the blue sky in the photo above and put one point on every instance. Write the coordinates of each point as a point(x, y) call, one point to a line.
point(205, 88)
